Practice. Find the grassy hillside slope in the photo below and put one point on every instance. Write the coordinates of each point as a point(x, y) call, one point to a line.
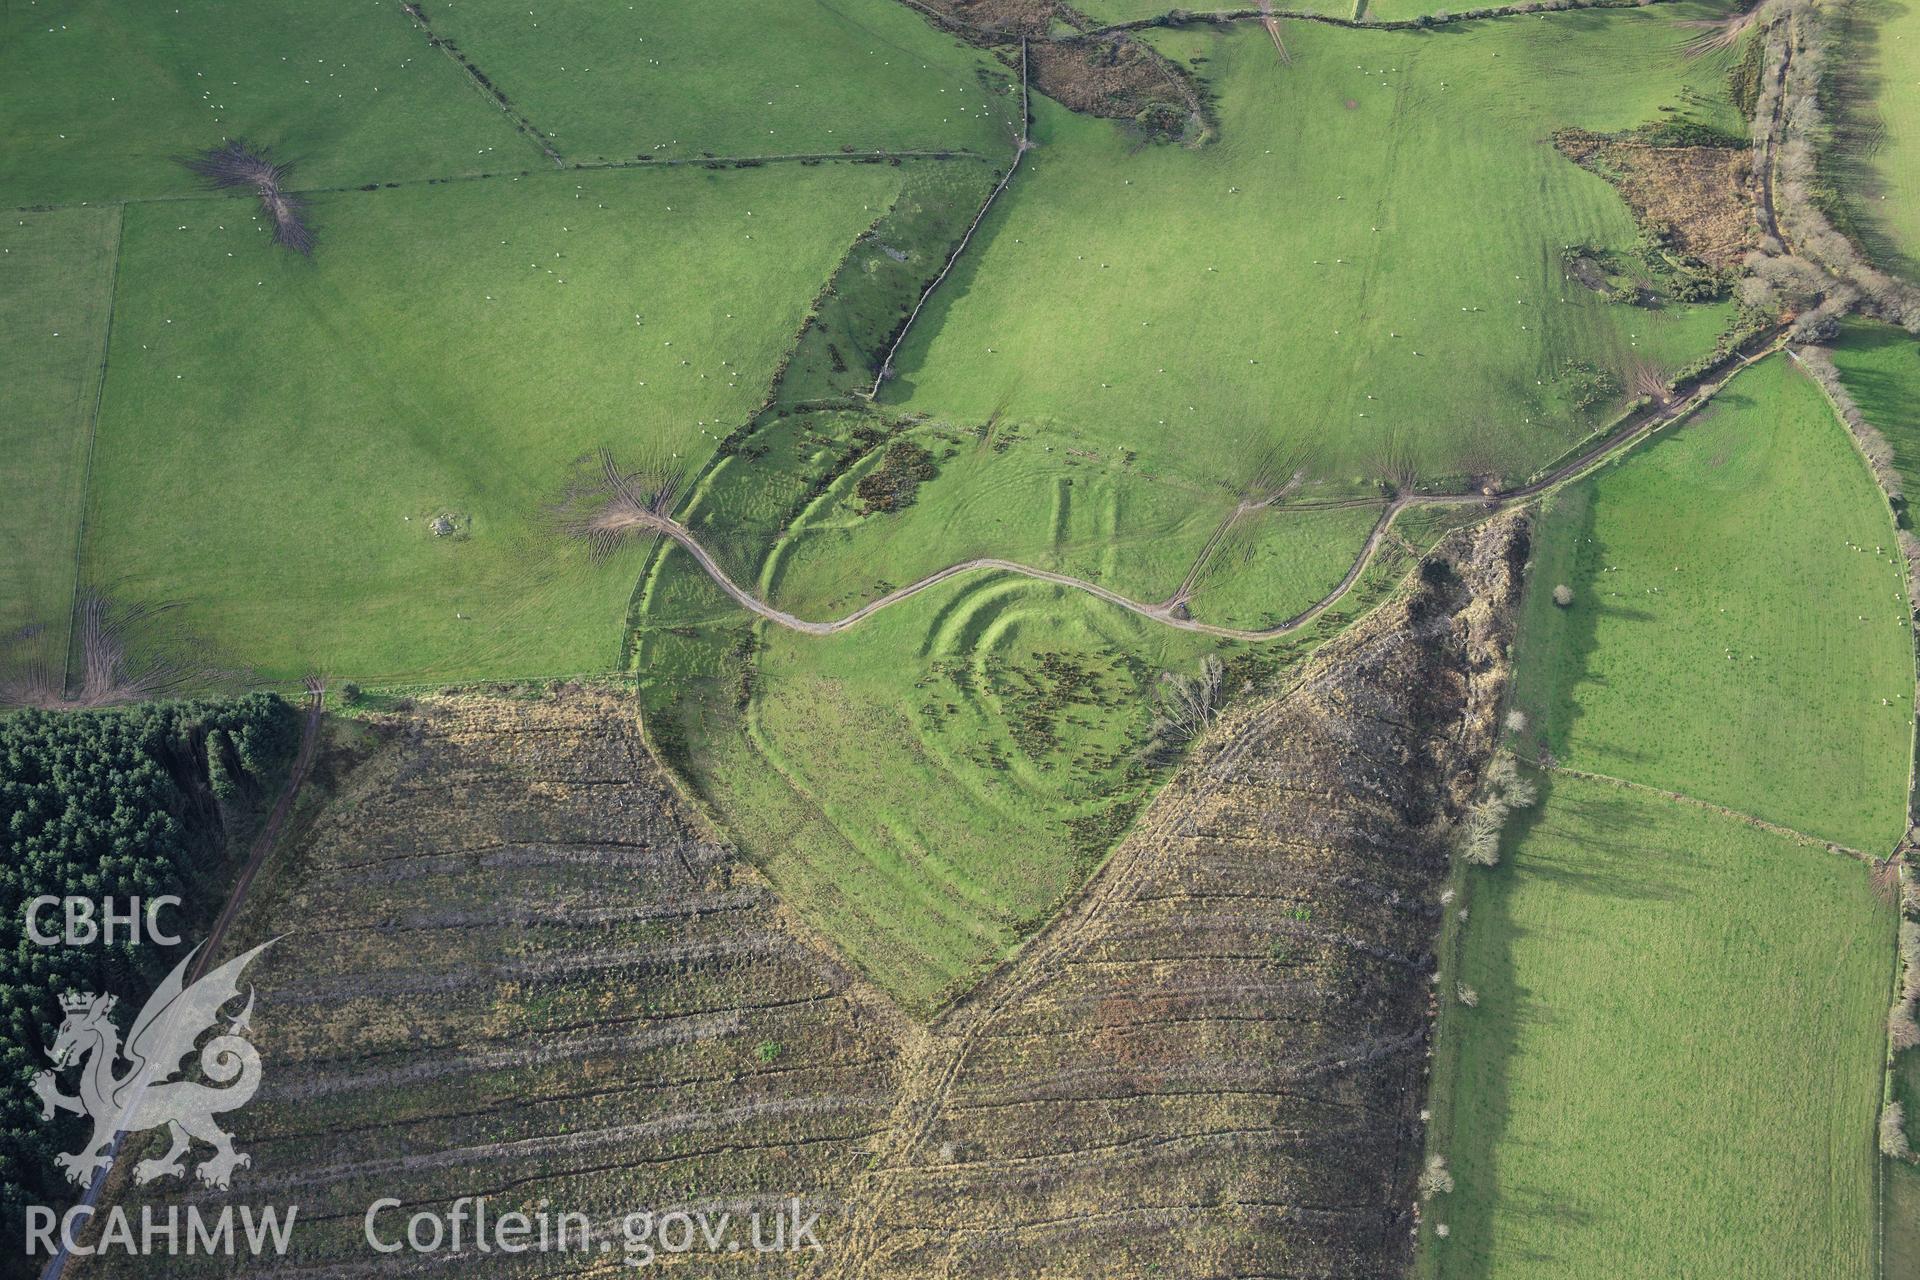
point(452, 350)
point(1362, 275)
point(1674, 1065)
point(1739, 628)
point(56, 292)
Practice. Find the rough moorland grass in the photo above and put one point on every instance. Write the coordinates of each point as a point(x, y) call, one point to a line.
point(1261, 299)
point(1880, 83)
point(1739, 627)
point(450, 350)
point(56, 287)
point(635, 80)
point(97, 97)
point(1880, 368)
point(926, 787)
point(882, 277)
point(1666, 997)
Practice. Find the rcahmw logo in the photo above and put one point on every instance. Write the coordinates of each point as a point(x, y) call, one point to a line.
point(146, 1094)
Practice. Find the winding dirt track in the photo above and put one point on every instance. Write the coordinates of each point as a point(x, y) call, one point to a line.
point(1168, 612)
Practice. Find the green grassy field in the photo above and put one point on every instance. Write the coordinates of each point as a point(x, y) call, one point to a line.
point(1881, 96)
point(1263, 298)
point(784, 511)
point(1674, 1065)
point(451, 350)
point(1880, 367)
point(97, 98)
point(1121, 10)
point(627, 81)
point(1739, 624)
point(56, 291)
point(990, 496)
point(1274, 563)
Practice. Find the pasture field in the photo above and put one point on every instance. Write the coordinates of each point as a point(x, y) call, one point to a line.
point(1674, 1064)
point(1739, 627)
point(1879, 167)
point(1258, 303)
point(1274, 563)
point(1086, 517)
point(665, 81)
point(98, 98)
point(784, 508)
point(1880, 368)
point(927, 786)
point(56, 292)
point(453, 350)
point(992, 494)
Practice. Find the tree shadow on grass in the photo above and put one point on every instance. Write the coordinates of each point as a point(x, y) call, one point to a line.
point(1482, 1054)
point(1859, 132)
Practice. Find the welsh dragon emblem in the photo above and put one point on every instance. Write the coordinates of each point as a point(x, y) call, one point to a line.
point(146, 1095)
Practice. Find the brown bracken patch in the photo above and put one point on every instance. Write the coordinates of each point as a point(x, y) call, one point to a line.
point(1005, 19)
point(1110, 75)
point(1702, 194)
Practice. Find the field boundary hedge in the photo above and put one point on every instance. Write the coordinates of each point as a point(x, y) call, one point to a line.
point(1184, 17)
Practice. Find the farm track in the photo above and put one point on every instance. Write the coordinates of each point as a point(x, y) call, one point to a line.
point(1168, 612)
point(67, 671)
point(269, 833)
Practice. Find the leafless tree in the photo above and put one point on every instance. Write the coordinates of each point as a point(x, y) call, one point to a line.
point(1435, 1179)
point(1893, 1133)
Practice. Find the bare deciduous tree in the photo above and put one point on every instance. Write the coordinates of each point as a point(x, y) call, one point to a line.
point(1183, 706)
point(1893, 1132)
